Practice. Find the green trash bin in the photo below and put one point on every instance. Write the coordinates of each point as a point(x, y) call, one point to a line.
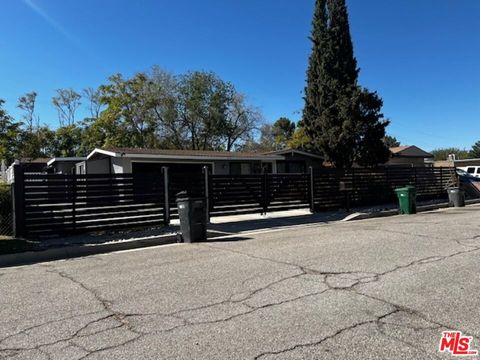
point(407, 199)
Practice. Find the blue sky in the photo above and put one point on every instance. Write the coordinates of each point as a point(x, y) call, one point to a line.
point(422, 56)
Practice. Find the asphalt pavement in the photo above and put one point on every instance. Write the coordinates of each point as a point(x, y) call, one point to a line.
point(374, 289)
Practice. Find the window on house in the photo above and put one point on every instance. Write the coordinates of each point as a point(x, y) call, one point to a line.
point(267, 167)
point(239, 168)
point(291, 167)
point(296, 167)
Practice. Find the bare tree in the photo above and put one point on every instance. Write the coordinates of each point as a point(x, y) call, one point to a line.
point(94, 101)
point(27, 104)
point(66, 102)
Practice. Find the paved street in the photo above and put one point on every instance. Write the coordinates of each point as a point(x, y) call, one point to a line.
point(374, 289)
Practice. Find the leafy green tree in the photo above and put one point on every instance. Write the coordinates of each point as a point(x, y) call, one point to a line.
point(300, 139)
point(283, 130)
point(196, 110)
point(391, 141)
point(67, 141)
point(443, 153)
point(127, 119)
point(203, 105)
point(343, 120)
point(475, 151)
point(10, 132)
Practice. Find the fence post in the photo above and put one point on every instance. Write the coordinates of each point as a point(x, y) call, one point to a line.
point(387, 185)
point(265, 192)
point(441, 178)
point(351, 195)
point(166, 207)
point(74, 196)
point(312, 194)
point(18, 201)
point(207, 193)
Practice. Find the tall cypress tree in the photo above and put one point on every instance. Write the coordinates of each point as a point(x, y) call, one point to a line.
point(343, 120)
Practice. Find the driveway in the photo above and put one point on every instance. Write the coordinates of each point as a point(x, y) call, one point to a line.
point(374, 289)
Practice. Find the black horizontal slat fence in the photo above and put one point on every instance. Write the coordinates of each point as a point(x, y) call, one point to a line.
point(236, 194)
point(336, 188)
point(47, 205)
point(69, 204)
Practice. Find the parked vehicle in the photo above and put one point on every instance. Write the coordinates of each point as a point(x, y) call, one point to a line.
point(470, 171)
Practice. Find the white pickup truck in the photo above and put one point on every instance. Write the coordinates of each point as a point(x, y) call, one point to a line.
point(471, 170)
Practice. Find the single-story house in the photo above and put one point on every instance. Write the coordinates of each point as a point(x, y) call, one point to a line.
point(128, 160)
point(64, 165)
point(296, 161)
point(410, 155)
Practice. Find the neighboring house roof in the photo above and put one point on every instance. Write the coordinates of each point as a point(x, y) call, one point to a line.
point(34, 161)
point(66, 159)
point(294, 151)
point(167, 154)
point(467, 160)
point(409, 151)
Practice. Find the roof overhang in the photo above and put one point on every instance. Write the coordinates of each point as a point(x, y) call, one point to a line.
point(260, 157)
point(66, 159)
point(103, 152)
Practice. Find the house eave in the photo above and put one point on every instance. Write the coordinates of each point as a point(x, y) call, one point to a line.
point(60, 159)
point(136, 156)
point(202, 158)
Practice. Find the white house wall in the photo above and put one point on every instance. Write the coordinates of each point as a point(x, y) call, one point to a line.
point(121, 165)
point(101, 166)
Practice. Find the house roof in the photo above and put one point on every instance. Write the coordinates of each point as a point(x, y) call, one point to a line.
point(409, 151)
point(64, 159)
point(34, 161)
point(182, 154)
point(294, 151)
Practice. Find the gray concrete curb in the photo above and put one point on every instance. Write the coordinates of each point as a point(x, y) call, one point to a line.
point(363, 216)
point(69, 252)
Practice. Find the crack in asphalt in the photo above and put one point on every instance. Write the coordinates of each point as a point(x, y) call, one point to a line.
point(331, 336)
point(119, 317)
point(331, 280)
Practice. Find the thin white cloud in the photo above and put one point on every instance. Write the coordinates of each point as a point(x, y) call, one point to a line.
point(37, 9)
point(57, 26)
